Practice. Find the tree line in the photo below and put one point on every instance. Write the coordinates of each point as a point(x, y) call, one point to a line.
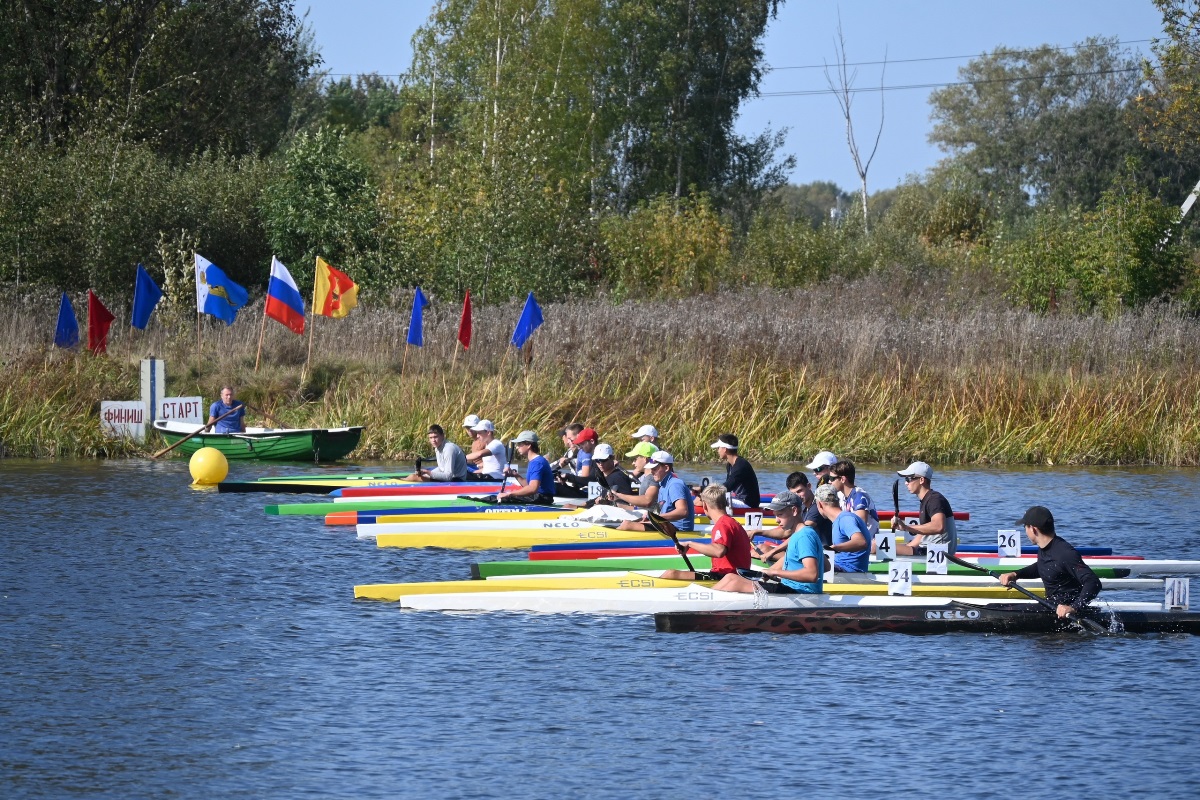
point(563, 146)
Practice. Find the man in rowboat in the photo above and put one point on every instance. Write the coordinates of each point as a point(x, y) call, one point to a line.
point(674, 496)
point(487, 453)
point(538, 486)
point(935, 523)
point(451, 463)
point(740, 479)
point(1070, 583)
point(850, 539)
point(235, 422)
point(729, 548)
point(799, 571)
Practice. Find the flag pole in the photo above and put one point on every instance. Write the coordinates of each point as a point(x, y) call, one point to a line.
point(454, 359)
point(263, 330)
point(198, 342)
point(312, 324)
point(404, 363)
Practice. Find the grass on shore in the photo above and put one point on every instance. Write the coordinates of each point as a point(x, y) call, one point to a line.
point(865, 370)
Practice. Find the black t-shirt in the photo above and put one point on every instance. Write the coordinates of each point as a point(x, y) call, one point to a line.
point(742, 483)
point(820, 524)
point(934, 503)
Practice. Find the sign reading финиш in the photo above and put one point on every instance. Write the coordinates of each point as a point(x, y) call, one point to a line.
point(124, 418)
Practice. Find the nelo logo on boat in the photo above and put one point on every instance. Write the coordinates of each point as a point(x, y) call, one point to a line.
point(952, 614)
point(562, 525)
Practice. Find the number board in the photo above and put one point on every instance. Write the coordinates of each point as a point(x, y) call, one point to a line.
point(1175, 593)
point(935, 559)
point(829, 573)
point(1008, 543)
point(754, 520)
point(900, 578)
point(885, 545)
point(593, 490)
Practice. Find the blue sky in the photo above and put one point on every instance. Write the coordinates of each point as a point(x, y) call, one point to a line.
point(356, 36)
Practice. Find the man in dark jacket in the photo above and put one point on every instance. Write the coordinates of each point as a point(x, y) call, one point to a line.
point(1070, 583)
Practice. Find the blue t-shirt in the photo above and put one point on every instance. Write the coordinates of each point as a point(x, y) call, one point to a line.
point(671, 489)
point(232, 423)
point(803, 544)
point(581, 461)
point(539, 470)
point(843, 528)
point(858, 500)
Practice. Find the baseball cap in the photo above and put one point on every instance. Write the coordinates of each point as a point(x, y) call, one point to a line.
point(585, 435)
point(917, 469)
point(646, 430)
point(823, 459)
point(660, 457)
point(827, 495)
point(470, 420)
point(784, 499)
point(726, 440)
point(602, 452)
point(483, 425)
point(525, 436)
point(1039, 517)
point(645, 449)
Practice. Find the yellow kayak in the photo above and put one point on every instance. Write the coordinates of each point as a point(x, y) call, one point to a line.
point(517, 539)
point(649, 580)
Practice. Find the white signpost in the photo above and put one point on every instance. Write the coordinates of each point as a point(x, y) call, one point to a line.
point(1008, 543)
point(154, 386)
point(123, 418)
point(182, 409)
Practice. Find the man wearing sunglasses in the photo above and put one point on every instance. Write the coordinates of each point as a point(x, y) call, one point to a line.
point(821, 464)
point(935, 523)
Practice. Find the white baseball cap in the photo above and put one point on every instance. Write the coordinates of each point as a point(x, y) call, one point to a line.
point(917, 469)
point(823, 459)
point(483, 425)
point(660, 457)
point(602, 452)
point(470, 421)
point(646, 430)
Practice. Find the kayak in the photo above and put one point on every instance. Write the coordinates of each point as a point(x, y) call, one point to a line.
point(953, 617)
point(497, 569)
point(505, 540)
point(627, 581)
point(480, 489)
point(765, 535)
point(371, 531)
point(323, 507)
point(264, 444)
point(694, 597)
point(466, 514)
point(319, 485)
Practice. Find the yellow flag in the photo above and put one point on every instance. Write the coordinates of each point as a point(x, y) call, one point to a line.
point(335, 294)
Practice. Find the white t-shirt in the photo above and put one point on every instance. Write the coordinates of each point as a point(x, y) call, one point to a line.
point(493, 460)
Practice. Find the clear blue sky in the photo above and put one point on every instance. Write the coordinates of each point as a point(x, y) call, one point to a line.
point(357, 36)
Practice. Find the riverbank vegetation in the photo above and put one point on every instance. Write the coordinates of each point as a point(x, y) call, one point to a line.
point(1032, 298)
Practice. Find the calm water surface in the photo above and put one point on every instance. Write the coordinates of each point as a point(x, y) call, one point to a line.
point(161, 641)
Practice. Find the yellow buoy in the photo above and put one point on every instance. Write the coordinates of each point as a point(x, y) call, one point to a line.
point(208, 466)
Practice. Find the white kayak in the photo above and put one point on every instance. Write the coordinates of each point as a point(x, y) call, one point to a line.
point(370, 531)
point(691, 598)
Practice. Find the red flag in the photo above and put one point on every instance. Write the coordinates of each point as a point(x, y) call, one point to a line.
point(464, 324)
point(99, 318)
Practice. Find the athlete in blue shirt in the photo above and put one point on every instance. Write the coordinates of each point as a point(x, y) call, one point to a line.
point(538, 486)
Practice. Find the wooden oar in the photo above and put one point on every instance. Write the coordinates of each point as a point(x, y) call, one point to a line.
point(270, 419)
point(1088, 624)
point(665, 527)
point(197, 432)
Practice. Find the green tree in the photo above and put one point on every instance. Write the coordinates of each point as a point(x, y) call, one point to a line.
point(1172, 104)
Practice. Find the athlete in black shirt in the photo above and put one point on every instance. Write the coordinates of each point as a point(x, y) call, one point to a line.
point(740, 480)
point(1070, 583)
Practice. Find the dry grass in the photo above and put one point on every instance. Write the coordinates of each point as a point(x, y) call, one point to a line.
point(878, 370)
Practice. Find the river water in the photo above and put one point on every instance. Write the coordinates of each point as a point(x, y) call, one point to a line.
point(160, 641)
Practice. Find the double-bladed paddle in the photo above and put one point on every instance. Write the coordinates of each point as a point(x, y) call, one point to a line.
point(1088, 624)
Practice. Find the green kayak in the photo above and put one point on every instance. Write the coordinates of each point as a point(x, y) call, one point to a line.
point(321, 508)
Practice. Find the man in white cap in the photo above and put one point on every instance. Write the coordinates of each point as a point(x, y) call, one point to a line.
point(646, 433)
point(740, 479)
point(935, 523)
point(821, 464)
point(487, 453)
point(674, 496)
point(608, 473)
point(470, 421)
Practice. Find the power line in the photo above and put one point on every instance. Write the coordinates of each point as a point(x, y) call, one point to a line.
point(857, 90)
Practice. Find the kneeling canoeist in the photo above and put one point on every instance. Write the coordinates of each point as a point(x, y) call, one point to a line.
point(1070, 583)
point(538, 486)
point(799, 572)
point(234, 422)
point(674, 497)
point(451, 463)
point(730, 547)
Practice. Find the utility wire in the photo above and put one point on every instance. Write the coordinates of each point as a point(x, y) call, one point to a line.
point(857, 89)
point(943, 58)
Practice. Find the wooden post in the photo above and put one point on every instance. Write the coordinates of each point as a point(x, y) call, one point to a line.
point(261, 333)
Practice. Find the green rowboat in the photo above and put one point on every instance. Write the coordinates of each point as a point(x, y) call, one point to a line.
point(266, 444)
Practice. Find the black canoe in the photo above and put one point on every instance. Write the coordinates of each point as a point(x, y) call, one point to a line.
point(955, 617)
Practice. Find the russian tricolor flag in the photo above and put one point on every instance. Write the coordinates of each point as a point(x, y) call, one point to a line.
point(284, 302)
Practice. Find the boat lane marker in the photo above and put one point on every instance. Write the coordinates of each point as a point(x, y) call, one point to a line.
point(900, 578)
point(935, 559)
point(1175, 594)
point(1008, 544)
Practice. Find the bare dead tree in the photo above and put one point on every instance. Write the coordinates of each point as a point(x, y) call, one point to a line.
point(841, 83)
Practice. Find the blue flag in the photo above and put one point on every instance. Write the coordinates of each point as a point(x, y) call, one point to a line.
point(416, 321)
point(530, 321)
point(146, 295)
point(215, 293)
point(66, 332)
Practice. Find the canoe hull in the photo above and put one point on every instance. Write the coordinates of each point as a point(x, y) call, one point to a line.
point(956, 617)
point(283, 444)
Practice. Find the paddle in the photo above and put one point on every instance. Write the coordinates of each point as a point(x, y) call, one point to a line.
point(197, 432)
point(262, 413)
point(1088, 624)
point(665, 527)
point(896, 504)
